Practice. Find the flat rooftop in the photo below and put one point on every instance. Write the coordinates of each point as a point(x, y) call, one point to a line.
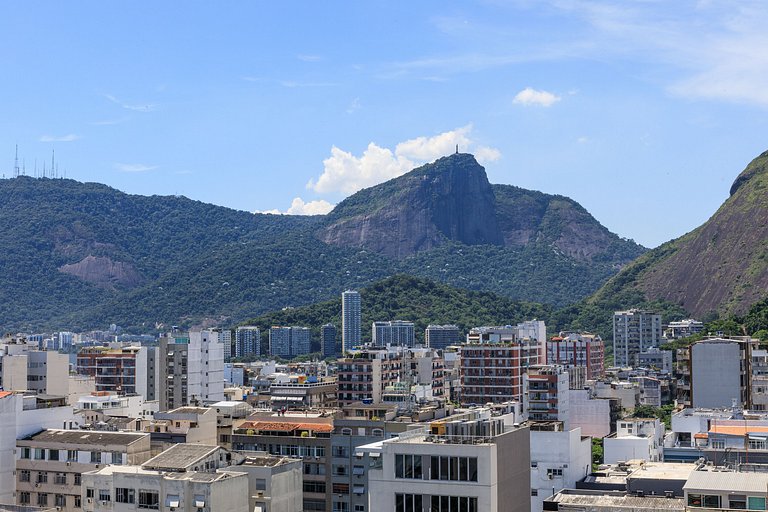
point(180, 456)
point(192, 476)
point(730, 481)
point(612, 499)
point(89, 437)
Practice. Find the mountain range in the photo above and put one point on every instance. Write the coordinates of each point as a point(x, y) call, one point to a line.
point(83, 255)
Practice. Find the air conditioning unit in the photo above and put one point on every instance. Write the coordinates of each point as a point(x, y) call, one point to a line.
point(89, 500)
point(104, 502)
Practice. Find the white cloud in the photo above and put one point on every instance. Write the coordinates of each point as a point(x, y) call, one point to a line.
point(532, 97)
point(63, 138)
point(148, 107)
point(134, 167)
point(354, 106)
point(347, 173)
point(300, 207)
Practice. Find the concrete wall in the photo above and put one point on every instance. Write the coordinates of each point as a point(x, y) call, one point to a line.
point(716, 369)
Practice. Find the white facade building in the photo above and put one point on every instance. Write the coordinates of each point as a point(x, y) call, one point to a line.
point(636, 439)
point(559, 459)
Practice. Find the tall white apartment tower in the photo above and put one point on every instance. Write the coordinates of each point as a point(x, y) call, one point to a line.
point(350, 320)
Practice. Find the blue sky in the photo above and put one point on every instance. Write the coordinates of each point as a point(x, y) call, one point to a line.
point(642, 111)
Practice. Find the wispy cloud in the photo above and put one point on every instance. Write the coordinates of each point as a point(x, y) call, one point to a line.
point(134, 167)
point(354, 106)
point(347, 173)
point(145, 107)
point(532, 97)
point(60, 138)
point(295, 83)
point(109, 122)
point(309, 58)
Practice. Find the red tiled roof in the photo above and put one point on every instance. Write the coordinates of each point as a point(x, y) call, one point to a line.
point(4, 394)
point(286, 426)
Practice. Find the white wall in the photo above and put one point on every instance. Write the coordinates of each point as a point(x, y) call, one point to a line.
point(561, 451)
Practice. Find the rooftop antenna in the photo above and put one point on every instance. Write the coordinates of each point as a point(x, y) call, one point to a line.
point(53, 166)
point(24, 167)
point(16, 163)
point(457, 149)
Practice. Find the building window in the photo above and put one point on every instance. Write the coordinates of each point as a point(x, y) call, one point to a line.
point(39, 454)
point(95, 457)
point(534, 492)
point(737, 501)
point(59, 500)
point(24, 498)
point(42, 477)
point(261, 484)
point(408, 466)
point(42, 500)
point(340, 506)
point(410, 503)
point(25, 452)
point(454, 503)
point(554, 473)
point(717, 444)
point(105, 495)
point(24, 475)
point(117, 458)
point(89, 492)
point(78, 478)
point(756, 503)
point(53, 454)
point(78, 501)
point(340, 488)
point(71, 455)
point(124, 495)
point(359, 508)
point(310, 486)
point(463, 469)
point(149, 499)
point(60, 479)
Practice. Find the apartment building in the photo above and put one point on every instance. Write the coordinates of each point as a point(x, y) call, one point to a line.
point(364, 374)
point(247, 341)
point(351, 320)
point(441, 336)
point(393, 332)
point(634, 331)
point(122, 370)
point(546, 394)
point(493, 362)
point(328, 340)
point(191, 369)
point(459, 465)
point(122, 489)
point(305, 435)
point(578, 350)
point(50, 463)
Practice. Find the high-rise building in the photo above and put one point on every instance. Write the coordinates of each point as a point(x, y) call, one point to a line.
point(394, 332)
point(351, 326)
point(494, 360)
point(579, 350)
point(546, 395)
point(247, 341)
point(191, 368)
point(328, 340)
point(289, 341)
point(364, 374)
point(123, 371)
point(441, 336)
point(634, 331)
point(227, 339)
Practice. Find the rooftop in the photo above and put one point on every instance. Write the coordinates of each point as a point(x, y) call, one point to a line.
point(180, 456)
point(615, 499)
point(268, 461)
point(192, 476)
point(285, 426)
point(730, 481)
point(90, 437)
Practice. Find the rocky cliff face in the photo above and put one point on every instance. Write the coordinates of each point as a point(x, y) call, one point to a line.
point(720, 267)
point(449, 199)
